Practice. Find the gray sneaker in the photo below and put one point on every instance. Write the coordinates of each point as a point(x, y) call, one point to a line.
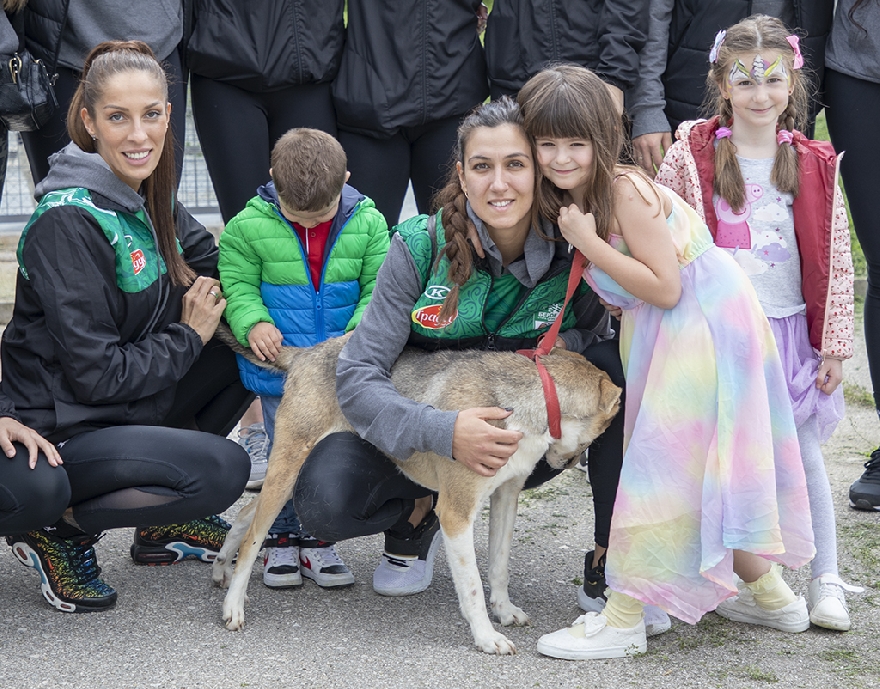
point(254, 439)
point(407, 565)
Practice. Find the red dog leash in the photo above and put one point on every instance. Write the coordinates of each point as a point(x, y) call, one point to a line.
point(545, 344)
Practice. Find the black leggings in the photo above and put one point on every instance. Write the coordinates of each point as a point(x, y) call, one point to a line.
point(237, 130)
point(348, 488)
point(52, 136)
point(138, 475)
point(852, 105)
point(381, 168)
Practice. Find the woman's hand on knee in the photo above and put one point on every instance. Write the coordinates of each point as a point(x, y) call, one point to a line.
point(13, 431)
point(203, 305)
point(480, 446)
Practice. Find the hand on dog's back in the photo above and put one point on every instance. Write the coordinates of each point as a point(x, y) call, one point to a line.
point(480, 446)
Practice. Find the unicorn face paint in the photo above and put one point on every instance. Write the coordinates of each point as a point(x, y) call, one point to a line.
point(758, 93)
point(762, 70)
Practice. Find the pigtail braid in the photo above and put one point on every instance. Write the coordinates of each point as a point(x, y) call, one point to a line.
point(729, 184)
point(457, 250)
point(785, 174)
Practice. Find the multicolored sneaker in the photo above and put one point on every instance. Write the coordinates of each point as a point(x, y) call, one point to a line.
point(200, 539)
point(68, 568)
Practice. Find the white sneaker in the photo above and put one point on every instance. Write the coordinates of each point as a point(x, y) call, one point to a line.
point(744, 608)
point(254, 439)
point(656, 620)
point(590, 637)
point(405, 575)
point(827, 604)
point(281, 562)
point(321, 563)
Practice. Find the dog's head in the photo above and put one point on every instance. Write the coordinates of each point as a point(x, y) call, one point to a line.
point(588, 401)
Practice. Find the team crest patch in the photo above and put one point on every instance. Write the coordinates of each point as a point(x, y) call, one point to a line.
point(429, 317)
point(437, 292)
point(545, 318)
point(138, 261)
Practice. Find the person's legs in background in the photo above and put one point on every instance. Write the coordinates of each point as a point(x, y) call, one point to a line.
point(851, 105)
point(380, 169)
point(431, 146)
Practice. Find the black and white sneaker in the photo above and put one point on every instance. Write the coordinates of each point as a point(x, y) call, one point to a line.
point(281, 561)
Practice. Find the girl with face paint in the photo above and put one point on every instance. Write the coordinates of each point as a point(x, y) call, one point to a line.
point(770, 197)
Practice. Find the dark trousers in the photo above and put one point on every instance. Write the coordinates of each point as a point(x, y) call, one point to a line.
point(237, 130)
point(382, 168)
point(852, 107)
point(348, 488)
point(139, 475)
point(52, 136)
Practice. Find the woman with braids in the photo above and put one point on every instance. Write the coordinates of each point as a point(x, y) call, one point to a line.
point(109, 353)
point(505, 300)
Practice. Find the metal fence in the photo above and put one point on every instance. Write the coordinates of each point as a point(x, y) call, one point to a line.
point(195, 191)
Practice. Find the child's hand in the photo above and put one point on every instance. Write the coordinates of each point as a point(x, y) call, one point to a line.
point(265, 341)
point(579, 229)
point(615, 311)
point(830, 375)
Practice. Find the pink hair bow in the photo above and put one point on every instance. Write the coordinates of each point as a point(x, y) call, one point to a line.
point(795, 44)
point(723, 133)
point(783, 136)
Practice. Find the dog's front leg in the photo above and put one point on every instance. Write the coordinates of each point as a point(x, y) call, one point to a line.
point(221, 570)
point(502, 514)
point(458, 537)
point(280, 479)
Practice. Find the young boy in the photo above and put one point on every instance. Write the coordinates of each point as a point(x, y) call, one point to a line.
point(298, 266)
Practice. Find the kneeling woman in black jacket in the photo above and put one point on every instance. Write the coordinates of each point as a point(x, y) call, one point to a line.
point(109, 351)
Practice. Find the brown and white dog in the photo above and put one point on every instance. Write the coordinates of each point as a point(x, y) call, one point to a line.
point(447, 380)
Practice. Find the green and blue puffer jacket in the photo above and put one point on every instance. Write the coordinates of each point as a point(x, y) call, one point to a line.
point(265, 275)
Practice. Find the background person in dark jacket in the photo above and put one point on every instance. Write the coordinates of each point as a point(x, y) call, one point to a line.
point(257, 71)
point(672, 74)
point(410, 70)
point(63, 32)
point(853, 99)
point(522, 36)
point(109, 352)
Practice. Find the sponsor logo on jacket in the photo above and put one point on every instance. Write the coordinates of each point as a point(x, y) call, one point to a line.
point(429, 317)
point(138, 261)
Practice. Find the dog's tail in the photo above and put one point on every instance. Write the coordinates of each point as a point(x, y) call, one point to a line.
point(224, 334)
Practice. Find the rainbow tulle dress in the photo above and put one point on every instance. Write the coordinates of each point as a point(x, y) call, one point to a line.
point(711, 457)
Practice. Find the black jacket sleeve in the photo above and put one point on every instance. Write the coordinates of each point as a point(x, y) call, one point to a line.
point(623, 32)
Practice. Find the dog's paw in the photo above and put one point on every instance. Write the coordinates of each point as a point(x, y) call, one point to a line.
point(510, 615)
point(221, 575)
point(495, 643)
point(233, 616)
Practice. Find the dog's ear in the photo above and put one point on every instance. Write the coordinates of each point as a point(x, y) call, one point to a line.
point(609, 394)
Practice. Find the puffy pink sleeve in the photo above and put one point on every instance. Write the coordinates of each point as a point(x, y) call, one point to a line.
point(837, 341)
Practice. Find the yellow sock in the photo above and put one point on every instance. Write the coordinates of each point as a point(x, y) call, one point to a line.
point(770, 591)
point(621, 611)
